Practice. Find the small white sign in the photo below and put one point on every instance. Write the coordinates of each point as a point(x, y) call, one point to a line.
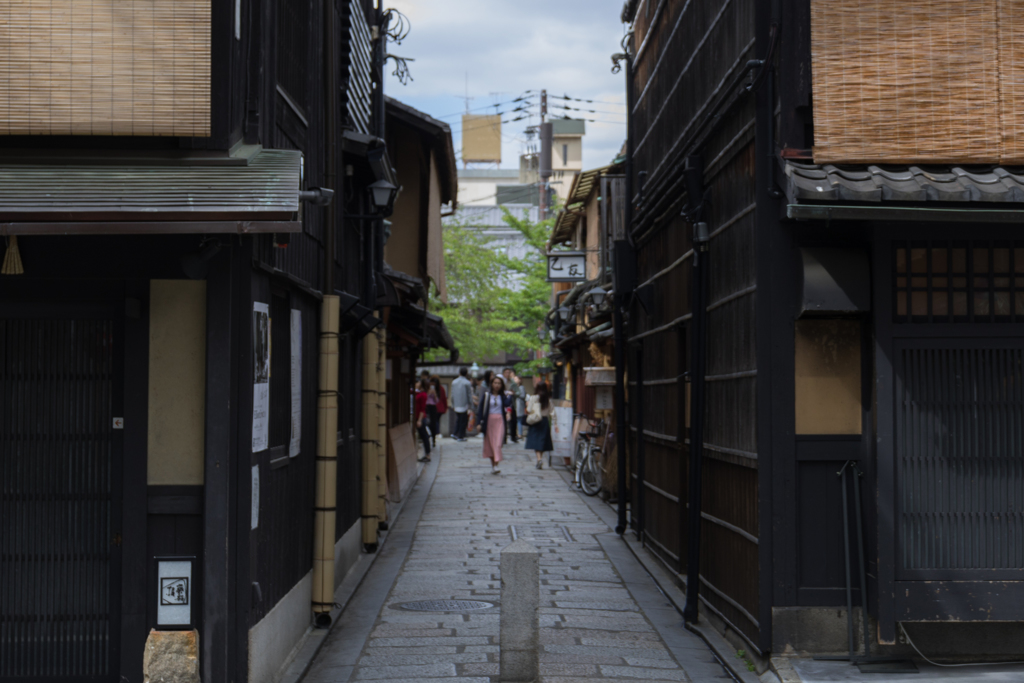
point(567, 266)
point(261, 377)
point(255, 497)
point(174, 604)
point(295, 444)
point(603, 399)
point(118, 423)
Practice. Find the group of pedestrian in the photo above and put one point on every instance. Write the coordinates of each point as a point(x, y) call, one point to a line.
point(496, 403)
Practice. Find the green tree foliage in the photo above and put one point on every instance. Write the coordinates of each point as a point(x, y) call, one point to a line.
point(496, 302)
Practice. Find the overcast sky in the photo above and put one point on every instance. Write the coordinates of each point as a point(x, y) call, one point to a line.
point(499, 49)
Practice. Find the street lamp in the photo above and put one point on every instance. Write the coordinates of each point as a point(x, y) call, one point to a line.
point(564, 312)
point(598, 295)
point(475, 371)
point(541, 334)
point(383, 194)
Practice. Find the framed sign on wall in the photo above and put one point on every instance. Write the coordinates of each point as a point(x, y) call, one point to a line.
point(175, 594)
point(567, 266)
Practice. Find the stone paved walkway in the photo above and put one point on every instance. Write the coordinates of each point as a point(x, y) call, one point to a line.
point(595, 623)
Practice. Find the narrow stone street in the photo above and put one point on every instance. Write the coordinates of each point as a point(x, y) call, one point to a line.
point(601, 616)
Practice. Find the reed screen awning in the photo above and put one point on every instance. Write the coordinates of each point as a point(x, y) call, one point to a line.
point(922, 81)
point(105, 67)
point(261, 195)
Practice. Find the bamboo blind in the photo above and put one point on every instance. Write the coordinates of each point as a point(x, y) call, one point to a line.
point(938, 81)
point(105, 67)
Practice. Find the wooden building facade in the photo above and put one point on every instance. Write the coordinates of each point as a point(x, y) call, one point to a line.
point(172, 266)
point(858, 311)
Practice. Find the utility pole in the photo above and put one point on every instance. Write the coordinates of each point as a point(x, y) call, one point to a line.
point(545, 153)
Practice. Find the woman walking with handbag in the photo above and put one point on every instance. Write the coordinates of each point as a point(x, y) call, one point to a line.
point(538, 417)
point(494, 409)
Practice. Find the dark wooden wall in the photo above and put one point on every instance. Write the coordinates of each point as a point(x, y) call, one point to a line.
point(281, 547)
point(689, 99)
point(294, 117)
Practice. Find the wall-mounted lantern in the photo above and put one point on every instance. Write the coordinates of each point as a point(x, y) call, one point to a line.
point(383, 195)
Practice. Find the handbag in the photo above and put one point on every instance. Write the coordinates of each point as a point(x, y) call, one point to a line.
point(533, 415)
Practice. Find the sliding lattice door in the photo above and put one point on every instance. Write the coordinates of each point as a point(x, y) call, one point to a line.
point(959, 458)
point(59, 473)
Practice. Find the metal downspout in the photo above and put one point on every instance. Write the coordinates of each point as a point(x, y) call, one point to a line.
point(326, 463)
point(622, 270)
point(701, 261)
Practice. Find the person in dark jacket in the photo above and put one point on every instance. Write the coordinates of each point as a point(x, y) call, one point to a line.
point(513, 391)
point(421, 418)
point(492, 413)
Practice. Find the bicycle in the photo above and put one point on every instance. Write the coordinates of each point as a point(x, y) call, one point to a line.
point(586, 465)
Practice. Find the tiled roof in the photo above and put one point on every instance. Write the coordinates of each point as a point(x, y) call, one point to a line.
point(812, 182)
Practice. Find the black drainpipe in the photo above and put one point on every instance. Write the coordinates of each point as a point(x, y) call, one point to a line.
point(694, 173)
point(330, 130)
point(624, 272)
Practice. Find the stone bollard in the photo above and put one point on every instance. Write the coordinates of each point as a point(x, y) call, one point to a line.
point(520, 598)
point(171, 657)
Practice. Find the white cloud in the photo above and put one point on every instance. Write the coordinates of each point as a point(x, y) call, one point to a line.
point(502, 48)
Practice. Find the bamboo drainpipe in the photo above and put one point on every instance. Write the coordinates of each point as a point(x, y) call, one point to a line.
point(326, 463)
point(371, 493)
point(382, 426)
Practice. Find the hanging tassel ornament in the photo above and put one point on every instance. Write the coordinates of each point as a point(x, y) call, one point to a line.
point(12, 259)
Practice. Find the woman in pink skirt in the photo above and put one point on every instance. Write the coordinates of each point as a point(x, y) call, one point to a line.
point(494, 409)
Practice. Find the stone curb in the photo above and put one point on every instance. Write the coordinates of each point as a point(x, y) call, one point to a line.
point(309, 646)
point(725, 652)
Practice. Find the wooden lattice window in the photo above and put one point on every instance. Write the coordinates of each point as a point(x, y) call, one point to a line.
point(946, 282)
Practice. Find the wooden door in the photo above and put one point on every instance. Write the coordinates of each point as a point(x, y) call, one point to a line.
point(60, 474)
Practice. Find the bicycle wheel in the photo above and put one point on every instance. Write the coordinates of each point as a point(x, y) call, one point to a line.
point(578, 454)
point(591, 477)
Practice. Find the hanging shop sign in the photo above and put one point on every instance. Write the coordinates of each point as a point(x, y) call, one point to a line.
point(567, 266)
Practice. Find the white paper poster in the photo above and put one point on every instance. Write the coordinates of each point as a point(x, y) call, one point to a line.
point(296, 441)
point(255, 497)
point(561, 431)
point(261, 377)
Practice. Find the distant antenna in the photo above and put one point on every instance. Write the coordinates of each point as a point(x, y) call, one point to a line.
point(467, 98)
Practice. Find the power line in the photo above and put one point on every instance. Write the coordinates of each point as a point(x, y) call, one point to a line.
point(590, 111)
point(577, 99)
point(521, 98)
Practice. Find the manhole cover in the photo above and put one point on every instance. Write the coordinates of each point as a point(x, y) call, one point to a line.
point(446, 605)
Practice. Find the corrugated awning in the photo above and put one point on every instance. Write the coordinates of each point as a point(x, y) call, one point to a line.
point(582, 185)
point(260, 194)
